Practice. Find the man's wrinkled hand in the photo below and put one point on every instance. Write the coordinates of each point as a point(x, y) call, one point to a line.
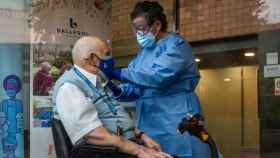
point(150, 143)
point(145, 152)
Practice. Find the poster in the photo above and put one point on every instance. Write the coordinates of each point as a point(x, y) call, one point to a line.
point(11, 104)
point(55, 27)
point(277, 87)
point(271, 71)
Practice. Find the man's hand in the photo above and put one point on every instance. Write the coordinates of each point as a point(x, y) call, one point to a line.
point(144, 152)
point(150, 143)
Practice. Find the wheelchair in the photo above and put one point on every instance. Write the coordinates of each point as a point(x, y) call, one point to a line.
point(65, 149)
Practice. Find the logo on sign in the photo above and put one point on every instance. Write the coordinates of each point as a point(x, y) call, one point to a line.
point(72, 31)
point(72, 23)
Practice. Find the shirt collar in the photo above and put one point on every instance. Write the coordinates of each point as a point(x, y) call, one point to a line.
point(90, 76)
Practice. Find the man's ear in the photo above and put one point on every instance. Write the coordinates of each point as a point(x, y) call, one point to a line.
point(91, 59)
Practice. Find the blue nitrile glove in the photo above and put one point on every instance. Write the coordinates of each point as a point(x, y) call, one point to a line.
point(107, 67)
point(107, 62)
point(117, 74)
point(115, 89)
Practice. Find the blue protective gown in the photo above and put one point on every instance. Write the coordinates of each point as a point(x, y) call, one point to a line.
point(162, 80)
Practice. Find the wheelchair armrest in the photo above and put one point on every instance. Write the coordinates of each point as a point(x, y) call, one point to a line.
point(95, 148)
point(97, 151)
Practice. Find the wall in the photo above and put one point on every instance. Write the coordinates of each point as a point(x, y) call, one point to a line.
point(231, 117)
point(124, 43)
point(212, 19)
point(269, 108)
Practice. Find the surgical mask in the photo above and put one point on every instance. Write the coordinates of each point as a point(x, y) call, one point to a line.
point(146, 40)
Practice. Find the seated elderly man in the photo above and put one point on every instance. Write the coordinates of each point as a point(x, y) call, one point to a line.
point(87, 109)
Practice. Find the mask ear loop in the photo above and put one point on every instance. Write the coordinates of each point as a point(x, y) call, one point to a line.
point(90, 60)
point(153, 26)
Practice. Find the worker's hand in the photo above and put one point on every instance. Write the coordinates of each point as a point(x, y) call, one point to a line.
point(150, 143)
point(107, 63)
point(117, 91)
point(107, 67)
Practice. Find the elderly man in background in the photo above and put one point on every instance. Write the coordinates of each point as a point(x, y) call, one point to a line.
point(43, 79)
point(87, 109)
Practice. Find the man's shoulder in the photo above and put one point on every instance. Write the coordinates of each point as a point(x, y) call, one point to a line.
point(67, 80)
point(69, 86)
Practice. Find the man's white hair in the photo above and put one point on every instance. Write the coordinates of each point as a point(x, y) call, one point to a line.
point(83, 48)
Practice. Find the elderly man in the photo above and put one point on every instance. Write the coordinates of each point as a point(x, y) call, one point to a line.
point(87, 108)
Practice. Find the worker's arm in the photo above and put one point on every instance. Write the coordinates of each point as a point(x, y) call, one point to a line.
point(164, 69)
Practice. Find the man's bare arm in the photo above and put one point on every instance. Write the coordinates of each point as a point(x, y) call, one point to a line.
point(101, 136)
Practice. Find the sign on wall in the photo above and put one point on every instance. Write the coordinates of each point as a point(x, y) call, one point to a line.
point(271, 71)
point(277, 87)
point(11, 106)
point(56, 26)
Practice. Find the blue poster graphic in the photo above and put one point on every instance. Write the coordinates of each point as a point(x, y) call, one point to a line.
point(11, 117)
point(11, 104)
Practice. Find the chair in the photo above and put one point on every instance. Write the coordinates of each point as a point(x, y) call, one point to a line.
point(65, 149)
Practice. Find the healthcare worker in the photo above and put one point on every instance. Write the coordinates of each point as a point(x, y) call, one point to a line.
point(162, 79)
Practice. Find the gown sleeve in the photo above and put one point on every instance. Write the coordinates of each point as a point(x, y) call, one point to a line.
point(165, 69)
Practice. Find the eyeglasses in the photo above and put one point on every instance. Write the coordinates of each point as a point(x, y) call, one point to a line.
point(90, 60)
point(141, 29)
point(99, 58)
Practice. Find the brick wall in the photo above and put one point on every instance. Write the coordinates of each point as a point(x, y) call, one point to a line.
point(124, 43)
point(212, 19)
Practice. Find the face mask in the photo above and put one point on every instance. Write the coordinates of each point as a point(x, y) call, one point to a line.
point(146, 40)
